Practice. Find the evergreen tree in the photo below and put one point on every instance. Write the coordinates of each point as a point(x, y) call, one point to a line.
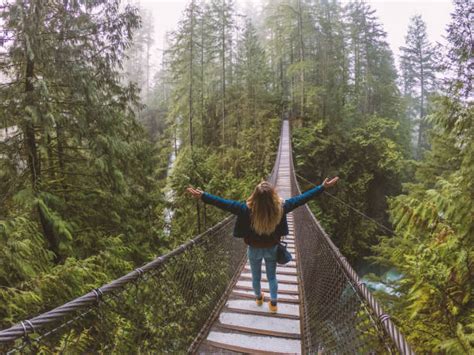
point(289, 27)
point(84, 194)
point(433, 247)
point(252, 75)
point(254, 101)
point(186, 69)
point(137, 65)
point(372, 87)
point(222, 21)
point(329, 73)
point(355, 129)
point(419, 76)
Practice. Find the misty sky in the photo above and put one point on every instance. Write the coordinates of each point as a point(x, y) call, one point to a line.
point(394, 15)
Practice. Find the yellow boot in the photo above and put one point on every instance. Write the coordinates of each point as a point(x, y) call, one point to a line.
point(260, 300)
point(272, 307)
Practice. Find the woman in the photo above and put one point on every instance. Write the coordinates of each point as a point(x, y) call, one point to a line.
point(261, 221)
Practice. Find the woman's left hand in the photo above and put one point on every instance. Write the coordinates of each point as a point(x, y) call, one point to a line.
point(329, 183)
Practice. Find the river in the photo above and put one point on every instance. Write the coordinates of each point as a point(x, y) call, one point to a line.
point(169, 193)
point(364, 268)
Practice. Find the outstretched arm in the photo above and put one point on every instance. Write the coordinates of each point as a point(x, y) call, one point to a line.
point(231, 206)
point(299, 200)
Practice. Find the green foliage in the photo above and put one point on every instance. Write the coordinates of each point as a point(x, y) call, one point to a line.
point(434, 243)
point(433, 250)
point(82, 187)
point(221, 110)
point(82, 205)
point(368, 161)
point(23, 254)
point(418, 66)
point(232, 174)
point(337, 71)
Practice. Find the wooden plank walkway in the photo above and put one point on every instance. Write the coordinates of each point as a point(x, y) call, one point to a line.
point(244, 327)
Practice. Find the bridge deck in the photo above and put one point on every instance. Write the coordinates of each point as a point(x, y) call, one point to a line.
point(242, 326)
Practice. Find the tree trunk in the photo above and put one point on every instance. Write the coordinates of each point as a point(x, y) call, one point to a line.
point(31, 146)
point(422, 110)
point(302, 57)
point(202, 81)
point(191, 45)
point(223, 72)
point(147, 68)
point(292, 80)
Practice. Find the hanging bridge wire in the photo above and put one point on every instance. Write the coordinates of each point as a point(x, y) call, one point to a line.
point(351, 207)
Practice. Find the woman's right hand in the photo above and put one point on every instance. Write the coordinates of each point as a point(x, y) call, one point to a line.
point(196, 193)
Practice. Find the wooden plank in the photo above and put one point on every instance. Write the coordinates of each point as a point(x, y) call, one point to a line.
point(207, 348)
point(251, 344)
point(260, 324)
point(280, 268)
point(259, 331)
point(264, 279)
point(281, 271)
point(281, 277)
point(265, 285)
point(267, 290)
point(264, 311)
point(251, 305)
point(294, 299)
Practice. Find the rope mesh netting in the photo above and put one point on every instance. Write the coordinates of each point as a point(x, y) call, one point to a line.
point(159, 307)
point(340, 314)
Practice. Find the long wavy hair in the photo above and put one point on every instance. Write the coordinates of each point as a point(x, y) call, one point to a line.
point(265, 208)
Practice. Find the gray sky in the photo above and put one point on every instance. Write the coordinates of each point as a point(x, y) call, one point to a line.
point(393, 14)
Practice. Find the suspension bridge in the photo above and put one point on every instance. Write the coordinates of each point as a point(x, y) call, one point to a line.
point(198, 298)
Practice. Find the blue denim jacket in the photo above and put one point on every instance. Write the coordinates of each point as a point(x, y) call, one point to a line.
point(243, 228)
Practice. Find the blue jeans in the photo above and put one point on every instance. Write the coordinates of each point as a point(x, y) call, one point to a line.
point(255, 259)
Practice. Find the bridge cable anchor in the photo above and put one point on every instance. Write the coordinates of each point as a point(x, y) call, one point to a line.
point(98, 294)
point(140, 277)
point(31, 325)
point(140, 272)
point(25, 333)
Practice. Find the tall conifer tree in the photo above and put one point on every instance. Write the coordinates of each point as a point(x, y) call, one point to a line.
point(419, 76)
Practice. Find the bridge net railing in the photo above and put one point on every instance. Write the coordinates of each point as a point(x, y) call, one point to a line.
point(162, 306)
point(159, 307)
point(339, 313)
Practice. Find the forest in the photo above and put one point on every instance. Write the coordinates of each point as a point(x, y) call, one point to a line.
point(96, 148)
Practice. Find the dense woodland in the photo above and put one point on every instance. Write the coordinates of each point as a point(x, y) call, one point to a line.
point(88, 131)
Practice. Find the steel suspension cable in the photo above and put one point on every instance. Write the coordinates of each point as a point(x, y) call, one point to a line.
point(393, 233)
point(349, 206)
